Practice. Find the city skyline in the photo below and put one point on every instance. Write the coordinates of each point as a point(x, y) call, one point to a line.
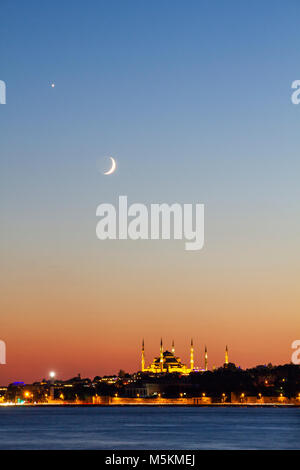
point(194, 104)
point(198, 360)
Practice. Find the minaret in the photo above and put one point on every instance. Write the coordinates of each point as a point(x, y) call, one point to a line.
point(226, 356)
point(161, 356)
point(173, 347)
point(143, 356)
point(205, 359)
point(192, 355)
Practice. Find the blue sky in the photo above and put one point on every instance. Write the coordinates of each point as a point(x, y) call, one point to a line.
point(168, 85)
point(192, 98)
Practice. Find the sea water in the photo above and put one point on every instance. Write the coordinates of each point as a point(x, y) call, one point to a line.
point(143, 427)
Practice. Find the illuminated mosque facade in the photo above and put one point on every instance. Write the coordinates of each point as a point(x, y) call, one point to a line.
point(168, 362)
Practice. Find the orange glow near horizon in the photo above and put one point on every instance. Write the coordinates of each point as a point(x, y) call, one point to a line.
point(93, 322)
point(145, 89)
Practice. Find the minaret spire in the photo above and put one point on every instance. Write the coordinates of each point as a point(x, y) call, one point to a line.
point(143, 356)
point(173, 347)
point(161, 356)
point(226, 356)
point(192, 355)
point(205, 359)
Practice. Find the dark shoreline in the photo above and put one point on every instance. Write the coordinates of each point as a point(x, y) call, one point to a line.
point(159, 405)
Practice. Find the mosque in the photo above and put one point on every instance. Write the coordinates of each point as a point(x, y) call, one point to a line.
point(167, 362)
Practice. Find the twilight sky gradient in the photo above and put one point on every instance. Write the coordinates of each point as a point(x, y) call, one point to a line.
point(193, 100)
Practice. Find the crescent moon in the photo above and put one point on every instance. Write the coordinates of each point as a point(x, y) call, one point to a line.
point(113, 167)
